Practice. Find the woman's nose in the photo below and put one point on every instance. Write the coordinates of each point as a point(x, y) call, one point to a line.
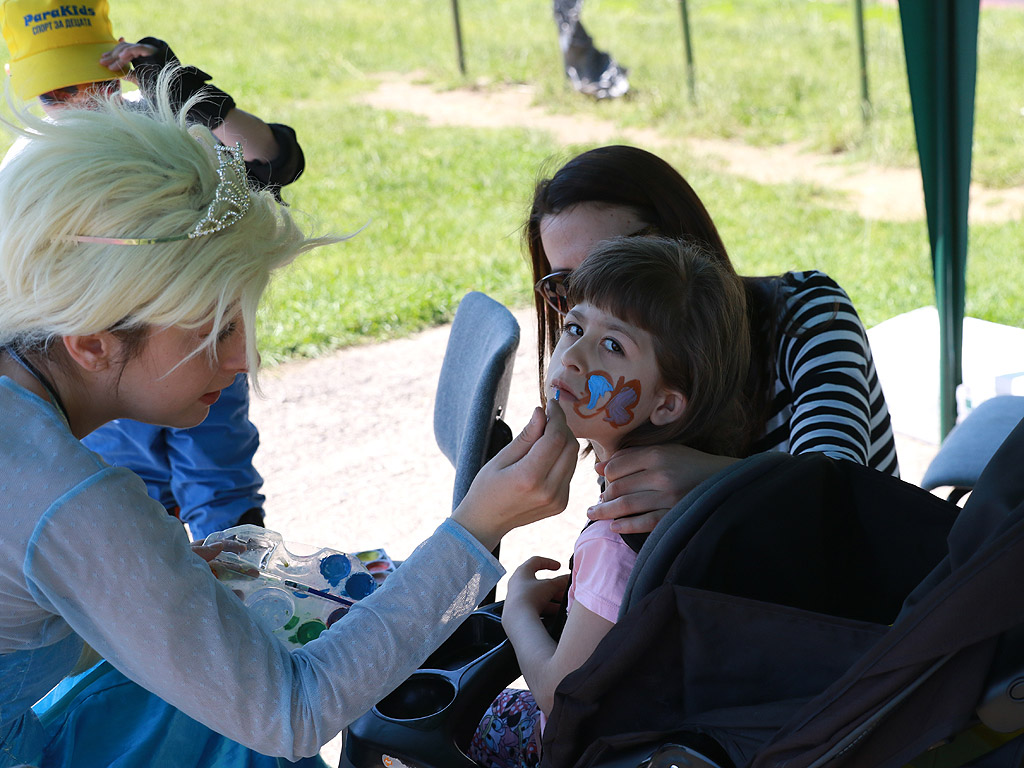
point(234, 357)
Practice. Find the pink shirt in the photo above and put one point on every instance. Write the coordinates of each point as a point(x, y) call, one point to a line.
point(602, 562)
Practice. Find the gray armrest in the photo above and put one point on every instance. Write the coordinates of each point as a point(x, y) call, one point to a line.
point(971, 444)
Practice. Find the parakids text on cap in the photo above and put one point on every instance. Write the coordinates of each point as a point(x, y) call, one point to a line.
point(59, 13)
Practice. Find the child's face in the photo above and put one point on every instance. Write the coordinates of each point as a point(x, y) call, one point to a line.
point(605, 376)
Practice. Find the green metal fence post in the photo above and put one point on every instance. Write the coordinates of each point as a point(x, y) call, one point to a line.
point(865, 99)
point(458, 36)
point(691, 81)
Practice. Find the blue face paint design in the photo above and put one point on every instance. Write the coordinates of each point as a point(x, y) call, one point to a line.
point(618, 407)
point(598, 385)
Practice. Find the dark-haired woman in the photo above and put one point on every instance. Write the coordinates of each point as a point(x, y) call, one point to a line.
point(811, 383)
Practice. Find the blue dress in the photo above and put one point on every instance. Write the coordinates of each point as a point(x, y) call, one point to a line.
point(78, 729)
point(75, 724)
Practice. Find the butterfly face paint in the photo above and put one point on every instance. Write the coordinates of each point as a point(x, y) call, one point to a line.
point(616, 402)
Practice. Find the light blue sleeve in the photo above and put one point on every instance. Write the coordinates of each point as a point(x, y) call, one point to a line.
point(119, 570)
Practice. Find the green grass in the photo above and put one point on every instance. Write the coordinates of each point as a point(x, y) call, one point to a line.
point(441, 209)
point(443, 206)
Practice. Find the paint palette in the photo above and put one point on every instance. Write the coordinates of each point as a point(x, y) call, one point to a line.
point(378, 563)
point(293, 590)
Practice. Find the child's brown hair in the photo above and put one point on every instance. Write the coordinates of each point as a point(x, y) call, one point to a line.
point(695, 309)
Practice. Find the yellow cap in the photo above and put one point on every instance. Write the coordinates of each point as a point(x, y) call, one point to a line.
point(54, 45)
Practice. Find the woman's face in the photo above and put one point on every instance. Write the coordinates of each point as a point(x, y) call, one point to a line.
point(569, 236)
point(153, 390)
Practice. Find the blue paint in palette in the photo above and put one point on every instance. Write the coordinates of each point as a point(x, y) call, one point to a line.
point(360, 585)
point(334, 568)
point(281, 588)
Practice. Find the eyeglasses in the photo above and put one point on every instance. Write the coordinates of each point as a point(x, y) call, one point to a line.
point(76, 95)
point(554, 289)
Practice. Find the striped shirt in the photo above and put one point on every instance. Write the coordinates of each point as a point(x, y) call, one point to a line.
point(826, 396)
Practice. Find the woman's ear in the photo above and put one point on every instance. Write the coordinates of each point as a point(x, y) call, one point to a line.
point(669, 408)
point(95, 352)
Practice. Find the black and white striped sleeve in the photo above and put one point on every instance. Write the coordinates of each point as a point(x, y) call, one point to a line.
point(825, 361)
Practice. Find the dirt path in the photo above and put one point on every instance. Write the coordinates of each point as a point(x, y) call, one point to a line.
point(874, 192)
point(348, 454)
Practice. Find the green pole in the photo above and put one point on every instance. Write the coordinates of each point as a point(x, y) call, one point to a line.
point(458, 36)
point(865, 99)
point(691, 81)
point(940, 39)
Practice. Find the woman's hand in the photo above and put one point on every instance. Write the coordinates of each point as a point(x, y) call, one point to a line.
point(532, 596)
point(527, 481)
point(210, 552)
point(642, 484)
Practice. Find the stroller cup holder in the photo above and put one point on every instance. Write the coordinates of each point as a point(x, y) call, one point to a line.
point(417, 699)
point(428, 721)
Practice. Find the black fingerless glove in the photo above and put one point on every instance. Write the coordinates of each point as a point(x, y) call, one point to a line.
point(283, 169)
point(215, 105)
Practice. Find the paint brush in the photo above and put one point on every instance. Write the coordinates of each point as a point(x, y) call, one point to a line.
point(295, 586)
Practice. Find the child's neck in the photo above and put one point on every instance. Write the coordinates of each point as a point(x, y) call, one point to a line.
point(602, 453)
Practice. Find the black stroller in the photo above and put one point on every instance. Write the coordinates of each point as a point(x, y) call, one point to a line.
point(790, 611)
point(862, 628)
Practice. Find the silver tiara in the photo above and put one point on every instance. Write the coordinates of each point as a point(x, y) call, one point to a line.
point(230, 203)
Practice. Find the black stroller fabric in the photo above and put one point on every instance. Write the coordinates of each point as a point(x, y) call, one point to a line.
point(784, 606)
point(922, 682)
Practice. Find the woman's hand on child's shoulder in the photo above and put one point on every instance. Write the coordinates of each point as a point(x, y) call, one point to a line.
point(642, 484)
point(526, 481)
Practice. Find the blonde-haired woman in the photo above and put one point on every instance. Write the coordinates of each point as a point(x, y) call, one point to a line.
point(132, 259)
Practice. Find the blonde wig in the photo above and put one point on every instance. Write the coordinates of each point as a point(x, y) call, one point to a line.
point(119, 170)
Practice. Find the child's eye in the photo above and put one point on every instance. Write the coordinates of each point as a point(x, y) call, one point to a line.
point(572, 329)
point(612, 346)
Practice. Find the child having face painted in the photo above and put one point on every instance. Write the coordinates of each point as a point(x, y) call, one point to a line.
point(653, 350)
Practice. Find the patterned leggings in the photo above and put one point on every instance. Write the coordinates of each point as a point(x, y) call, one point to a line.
point(509, 732)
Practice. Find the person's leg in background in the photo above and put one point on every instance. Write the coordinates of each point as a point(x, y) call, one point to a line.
point(590, 71)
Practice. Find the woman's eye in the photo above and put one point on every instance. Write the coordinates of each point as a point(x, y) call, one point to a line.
point(612, 346)
point(572, 329)
point(227, 332)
